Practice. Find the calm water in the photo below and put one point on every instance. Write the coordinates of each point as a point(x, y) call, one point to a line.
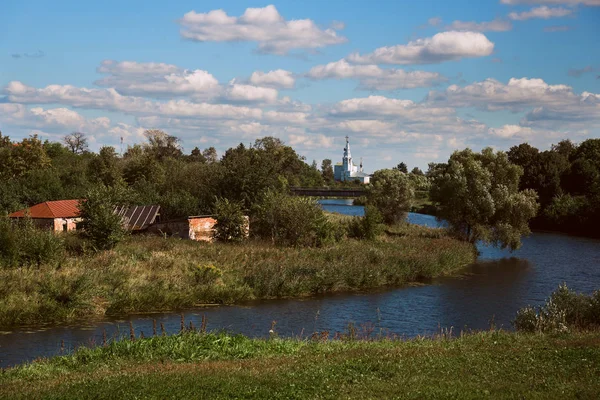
point(492, 289)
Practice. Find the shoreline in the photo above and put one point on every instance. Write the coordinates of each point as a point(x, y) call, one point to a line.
point(150, 274)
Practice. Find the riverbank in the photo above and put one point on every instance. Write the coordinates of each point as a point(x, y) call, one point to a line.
point(153, 273)
point(491, 364)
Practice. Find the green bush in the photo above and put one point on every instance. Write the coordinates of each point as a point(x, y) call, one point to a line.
point(565, 310)
point(23, 244)
point(368, 227)
point(231, 223)
point(291, 221)
point(101, 226)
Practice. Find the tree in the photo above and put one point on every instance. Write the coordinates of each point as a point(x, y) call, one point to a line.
point(392, 193)
point(478, 194)
point(197, 156)
point(210, 155)
point(101, 225)
point(76, 142)
point(162, 145)
point(327, 171)
point(417, 171)
point(402, 168)
point(104, 168)
point(231, 223)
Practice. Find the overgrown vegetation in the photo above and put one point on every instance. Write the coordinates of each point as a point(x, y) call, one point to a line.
point(492, 364)
point(153, 273)
point(231, 223)
point(564, 311)
point(23, 244)
point(291, 221)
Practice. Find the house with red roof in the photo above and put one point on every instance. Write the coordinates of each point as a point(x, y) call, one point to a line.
point(59, 215)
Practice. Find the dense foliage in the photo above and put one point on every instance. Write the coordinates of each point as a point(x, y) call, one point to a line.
point(23, 244)
point(567, 180)
point(155, 172)
point(231, 223)
point(391, 193)
point(478, 194)
point(291, 221)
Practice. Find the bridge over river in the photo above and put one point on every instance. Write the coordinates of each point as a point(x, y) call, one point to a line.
point(348, 192)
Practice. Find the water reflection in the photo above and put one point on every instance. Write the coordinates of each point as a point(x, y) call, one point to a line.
point(492, 289)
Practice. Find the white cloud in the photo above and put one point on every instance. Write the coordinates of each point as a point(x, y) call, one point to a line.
point(279, 79)
point(508, 131)
point(263, 25)
point(236, 92)
point(157, 79)
point(313, 141)
point(52, 120)
point(110, 99)
point(549, 107)
point(566, 2)
point(444, 46)
point(497, 25)
point(517, 95)
point(372, 77)
point(542, 12)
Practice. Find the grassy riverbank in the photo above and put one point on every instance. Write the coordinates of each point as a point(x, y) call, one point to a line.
point(193, 365)
point(152, 273)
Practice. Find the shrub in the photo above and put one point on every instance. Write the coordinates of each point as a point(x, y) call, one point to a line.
point(368, 227)
point(291, 221)
point(565, 310)
point(100, 224)
point(22, 244)
point(231, 223)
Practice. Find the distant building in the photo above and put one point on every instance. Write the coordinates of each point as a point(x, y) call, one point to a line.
point(60, 215)
point(63, 215)
point(347, 171)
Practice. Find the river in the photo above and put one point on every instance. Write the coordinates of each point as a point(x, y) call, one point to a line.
point(491, 290)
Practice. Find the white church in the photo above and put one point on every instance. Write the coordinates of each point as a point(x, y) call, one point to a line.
point(347, 171)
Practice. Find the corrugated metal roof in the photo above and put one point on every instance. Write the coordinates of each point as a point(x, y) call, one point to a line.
point(137, 218)
point(50, 209)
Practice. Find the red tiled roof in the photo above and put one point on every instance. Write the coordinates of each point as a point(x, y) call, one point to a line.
point(50, 209)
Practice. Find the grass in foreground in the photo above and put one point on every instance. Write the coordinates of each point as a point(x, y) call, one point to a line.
point(192, 365)
point(152, 273)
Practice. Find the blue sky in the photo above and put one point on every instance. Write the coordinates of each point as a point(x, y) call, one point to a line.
point(407, 81)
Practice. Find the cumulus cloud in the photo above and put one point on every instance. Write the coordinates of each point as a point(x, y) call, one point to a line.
point(509, 131)
point(157, 79)
point(444, 46)
point(310, 141)
point(263, 25)
point(279, 79)
point(542, 12)
point(110, 99)
point(551, 107)
point(372, 77)
point(241, 93)
point(51, 120)
point(497, 25)
point(566, 2)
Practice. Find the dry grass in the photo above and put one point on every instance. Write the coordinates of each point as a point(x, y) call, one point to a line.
point(153, 273)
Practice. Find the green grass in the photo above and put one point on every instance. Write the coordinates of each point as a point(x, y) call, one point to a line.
point(191, 365)
point(153, 273)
